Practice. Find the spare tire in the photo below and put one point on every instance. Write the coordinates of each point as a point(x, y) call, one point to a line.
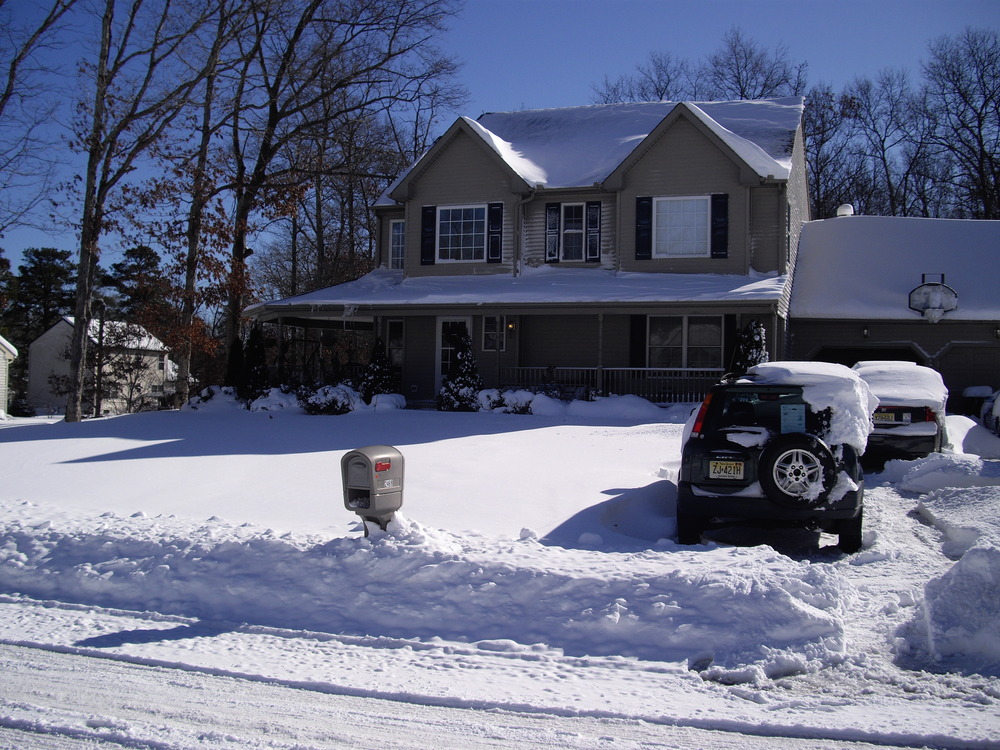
point(797, 471)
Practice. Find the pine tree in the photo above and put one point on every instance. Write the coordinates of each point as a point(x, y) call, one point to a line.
point(751, 348)
point(461, 387)
point(380, 376)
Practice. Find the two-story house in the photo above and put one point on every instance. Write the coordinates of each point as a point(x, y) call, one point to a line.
point(132, 366)
point(620, 247)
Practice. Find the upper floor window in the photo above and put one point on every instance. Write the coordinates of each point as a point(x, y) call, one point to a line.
point(573, 231)
point(681, 227)
point(461, 233)
point(397, 243)
point(466, 234)
point(688, 226)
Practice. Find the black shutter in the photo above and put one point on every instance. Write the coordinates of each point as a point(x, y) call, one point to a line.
point(593, 253)
point(720, 225)
point(552, 222)
point(637, 341)
point(494, 233)
point(428, 235)
point(643, 228)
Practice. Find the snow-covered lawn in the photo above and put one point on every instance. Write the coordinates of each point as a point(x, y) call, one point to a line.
point(531, 572)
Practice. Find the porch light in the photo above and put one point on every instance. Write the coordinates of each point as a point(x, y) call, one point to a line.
point(865, 332)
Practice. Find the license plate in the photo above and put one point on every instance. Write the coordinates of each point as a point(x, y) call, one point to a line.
point(883, 417)
point(725, 469)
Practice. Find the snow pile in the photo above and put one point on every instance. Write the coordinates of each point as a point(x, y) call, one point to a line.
point(940, 470)
point(962, 607)
point(741, 614)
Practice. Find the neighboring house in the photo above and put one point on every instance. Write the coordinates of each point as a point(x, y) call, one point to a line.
point(134, 368)
point(619, 247)
point(7, 355)
point(857, 276)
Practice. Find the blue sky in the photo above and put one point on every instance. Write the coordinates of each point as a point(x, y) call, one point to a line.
point(525, 54)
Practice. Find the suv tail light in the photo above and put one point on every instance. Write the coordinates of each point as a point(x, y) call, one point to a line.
point(696, 430)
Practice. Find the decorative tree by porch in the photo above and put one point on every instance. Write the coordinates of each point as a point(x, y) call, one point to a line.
point(380, 376)
point(461, 387)
point(750, 348)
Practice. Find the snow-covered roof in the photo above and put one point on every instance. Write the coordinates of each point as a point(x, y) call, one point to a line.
point(581, 146)
point(864, 267)
point(578, 146)
point(6, 345)
point(124, 334)
point(536, 286)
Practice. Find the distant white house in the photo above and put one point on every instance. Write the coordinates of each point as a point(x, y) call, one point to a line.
point(883, 287)
point(133, 366)
point(7, 355)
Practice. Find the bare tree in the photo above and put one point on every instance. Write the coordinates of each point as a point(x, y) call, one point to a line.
point(138, 87)
point(353, 56)
point(743, 69)
point(962, 100)
point(662, 77)
point(25, 170)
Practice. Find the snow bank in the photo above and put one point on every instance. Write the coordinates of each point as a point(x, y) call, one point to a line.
point(962, 607)
point(738, 615)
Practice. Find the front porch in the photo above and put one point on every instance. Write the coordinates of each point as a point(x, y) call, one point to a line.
point(655, 384)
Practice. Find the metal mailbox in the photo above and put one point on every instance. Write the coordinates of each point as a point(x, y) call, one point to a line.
point(373, 482)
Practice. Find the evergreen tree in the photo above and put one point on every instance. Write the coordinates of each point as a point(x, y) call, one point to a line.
point(44, 292)
point(143, 290)
point(751, 348)
point(461, 387)
point(256, 378)
point(380, 376)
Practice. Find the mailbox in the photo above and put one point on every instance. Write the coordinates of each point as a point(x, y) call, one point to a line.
point(373, 482)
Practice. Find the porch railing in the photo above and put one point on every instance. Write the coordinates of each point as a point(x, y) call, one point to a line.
point(659, 385)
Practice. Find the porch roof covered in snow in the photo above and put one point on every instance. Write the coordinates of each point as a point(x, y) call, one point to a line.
point(587, 291)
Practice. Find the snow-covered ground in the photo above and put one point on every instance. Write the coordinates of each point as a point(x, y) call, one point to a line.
point(192, 579)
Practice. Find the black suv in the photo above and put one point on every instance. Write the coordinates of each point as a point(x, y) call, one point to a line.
point(779, 444)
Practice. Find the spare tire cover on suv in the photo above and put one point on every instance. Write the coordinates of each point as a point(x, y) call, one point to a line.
point(797, 470)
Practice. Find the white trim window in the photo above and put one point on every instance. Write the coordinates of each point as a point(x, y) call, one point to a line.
point(461, 233)
point(693, 341)
point(682, 227)
point(572, 238)
point(494, 333)
point(397, 243)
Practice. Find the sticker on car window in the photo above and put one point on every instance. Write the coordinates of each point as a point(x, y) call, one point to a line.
point(793, 418)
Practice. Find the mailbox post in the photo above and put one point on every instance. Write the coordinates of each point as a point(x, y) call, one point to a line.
point(373, 483)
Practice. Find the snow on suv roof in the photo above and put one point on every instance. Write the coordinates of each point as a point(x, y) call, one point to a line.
point(825, 386)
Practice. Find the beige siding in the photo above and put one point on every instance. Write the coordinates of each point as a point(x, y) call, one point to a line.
point(767, 227)
point(684, 161)
point(464, 172)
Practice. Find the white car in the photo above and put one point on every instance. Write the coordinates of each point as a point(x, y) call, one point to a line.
point(910, 416)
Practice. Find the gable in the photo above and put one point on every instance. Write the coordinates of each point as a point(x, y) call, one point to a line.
point(459, 164)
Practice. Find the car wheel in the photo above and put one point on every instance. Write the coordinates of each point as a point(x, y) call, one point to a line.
point(689, 527)
point(849, 534)
point(797, 470)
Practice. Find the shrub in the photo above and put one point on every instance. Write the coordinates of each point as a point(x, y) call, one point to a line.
point(328, 399)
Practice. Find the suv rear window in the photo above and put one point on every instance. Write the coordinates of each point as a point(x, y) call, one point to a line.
point(779, 409)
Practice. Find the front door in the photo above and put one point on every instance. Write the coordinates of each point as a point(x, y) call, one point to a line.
point(446, 329)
